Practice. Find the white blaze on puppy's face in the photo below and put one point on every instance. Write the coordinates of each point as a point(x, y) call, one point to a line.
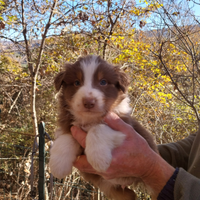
point(87, 98)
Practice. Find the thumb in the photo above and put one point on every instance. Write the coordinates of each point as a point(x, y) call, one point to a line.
point(83, 165)
point(79, 135)
point(116, 123)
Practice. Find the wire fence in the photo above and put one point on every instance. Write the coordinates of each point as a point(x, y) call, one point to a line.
point(25, 174)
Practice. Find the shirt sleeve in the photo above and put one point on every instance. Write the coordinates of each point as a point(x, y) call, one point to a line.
point(186, 186)
point(177, 154)
point(181, 186)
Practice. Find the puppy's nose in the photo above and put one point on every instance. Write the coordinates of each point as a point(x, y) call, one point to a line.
point(89, 102)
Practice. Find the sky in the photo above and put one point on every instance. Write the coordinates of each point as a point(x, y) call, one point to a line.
point(196, 9)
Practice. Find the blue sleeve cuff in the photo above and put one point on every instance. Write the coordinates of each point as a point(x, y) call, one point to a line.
point(167, 193)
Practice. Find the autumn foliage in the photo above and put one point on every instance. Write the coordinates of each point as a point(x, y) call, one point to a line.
point(162, 62)
point(155, 42)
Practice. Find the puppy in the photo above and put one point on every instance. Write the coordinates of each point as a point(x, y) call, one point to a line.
point(88, 90)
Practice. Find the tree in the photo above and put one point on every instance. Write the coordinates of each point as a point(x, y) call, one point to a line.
point(178, 53)
point(172, 69)
point(28, 24)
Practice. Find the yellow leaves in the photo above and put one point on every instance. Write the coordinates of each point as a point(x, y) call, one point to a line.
point(165, 78)
point(24, 74)
point(153, 87)
point(169, 96)
point(184, 68)
point(2, 3)
point(155, 70)
point(178, 68)
point(38, 83)
point(130, 89)
point(163, 95)
point(112, 38)
point(162, 100)
point(136, 11)
point(191, 117)
point(179, 119)
point(167, 105)
point(52, 68)
point(154, 62)
point(85, 8)
point(148, 72)
point(15, 69)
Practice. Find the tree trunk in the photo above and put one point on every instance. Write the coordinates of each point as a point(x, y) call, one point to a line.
point(33, 108)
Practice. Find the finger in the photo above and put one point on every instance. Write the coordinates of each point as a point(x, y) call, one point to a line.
point(83, 165)
point(116, 123)
point(78, 135)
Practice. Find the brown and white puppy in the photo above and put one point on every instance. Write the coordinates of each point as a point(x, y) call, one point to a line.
point(88, 90)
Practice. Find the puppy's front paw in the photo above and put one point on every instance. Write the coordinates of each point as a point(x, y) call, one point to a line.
point(100, 142)
point(99, 158)
point(62, 155)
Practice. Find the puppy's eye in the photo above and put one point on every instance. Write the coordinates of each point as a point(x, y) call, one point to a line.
point(103, 82)
point(77, 83)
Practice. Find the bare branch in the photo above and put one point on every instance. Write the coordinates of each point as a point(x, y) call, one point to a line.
point(14, 102)
point(26, 40)
point(44, 37)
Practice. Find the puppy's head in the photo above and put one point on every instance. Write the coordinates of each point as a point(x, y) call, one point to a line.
point(91, 87)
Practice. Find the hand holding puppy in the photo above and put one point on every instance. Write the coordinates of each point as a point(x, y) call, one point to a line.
point(134, 158)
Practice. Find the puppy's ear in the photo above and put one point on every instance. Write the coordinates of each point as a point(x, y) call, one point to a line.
point(123, 82)
point(59, 80)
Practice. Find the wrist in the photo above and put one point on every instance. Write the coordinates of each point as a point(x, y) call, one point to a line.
point(158, 174)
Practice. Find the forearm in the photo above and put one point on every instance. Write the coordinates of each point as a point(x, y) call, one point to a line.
point(176, 154)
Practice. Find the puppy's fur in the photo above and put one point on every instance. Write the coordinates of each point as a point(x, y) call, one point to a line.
point(88, 90)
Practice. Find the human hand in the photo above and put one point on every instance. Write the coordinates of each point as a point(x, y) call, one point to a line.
point(127, 159)
point(134, 158)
